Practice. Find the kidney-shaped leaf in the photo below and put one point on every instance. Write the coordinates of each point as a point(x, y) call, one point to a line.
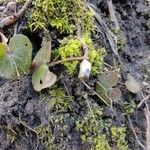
point(16, 58)
point(43, 78)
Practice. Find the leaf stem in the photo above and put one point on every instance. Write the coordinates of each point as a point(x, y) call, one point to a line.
point(65, 60)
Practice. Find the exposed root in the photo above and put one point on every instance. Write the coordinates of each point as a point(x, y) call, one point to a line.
point(143, 100)
point(30, 129)
point(14, 18)
point(147, 115)
point(65, 60)
point(136, 137)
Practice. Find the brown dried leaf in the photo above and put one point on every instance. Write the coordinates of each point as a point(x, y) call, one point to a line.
point(111, 77)
point(114, 94)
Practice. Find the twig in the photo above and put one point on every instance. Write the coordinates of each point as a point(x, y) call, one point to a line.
point(79, 36)
point(112, 14)
point(102, 26)
point(136, 137)
point(95, 93)
point(149, 3)
point(143, 100)
point(24, 8)
point(92, 113)
point(14, 18)
point(147, 115)
point(65, 60)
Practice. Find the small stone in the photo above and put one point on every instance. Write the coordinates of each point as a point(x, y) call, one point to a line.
point(29, 108)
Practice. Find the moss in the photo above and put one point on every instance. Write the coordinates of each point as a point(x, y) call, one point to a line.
point(120, 43)
point(118, 136)
point(11, 135)
point(59, 100)
point(46, 137)
point(61, 14)
point(95, 55)
point(129, 107)
point(90, 128)
point(72, 47)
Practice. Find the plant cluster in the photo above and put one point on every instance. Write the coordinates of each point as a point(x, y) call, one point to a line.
point(46, 137)
point(67, 17)
point(59, 100)
point(61, 14)
point(91, 130)
point(118, 136)
point(72, 47)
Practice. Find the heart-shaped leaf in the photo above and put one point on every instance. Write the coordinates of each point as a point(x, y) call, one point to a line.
point(43, 55)
point(43, 78)
point(15, 59)
point(132, 84)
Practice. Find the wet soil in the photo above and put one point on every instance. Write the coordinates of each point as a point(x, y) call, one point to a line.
point(22, 109)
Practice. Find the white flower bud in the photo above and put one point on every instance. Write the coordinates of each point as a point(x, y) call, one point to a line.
point(85, 70)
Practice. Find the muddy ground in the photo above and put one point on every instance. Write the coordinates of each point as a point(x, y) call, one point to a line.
point(22, 109)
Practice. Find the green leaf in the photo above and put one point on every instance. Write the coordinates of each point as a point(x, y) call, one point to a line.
point(43, 78)
point(102, 92)
point(15, 59)
point(43, 55)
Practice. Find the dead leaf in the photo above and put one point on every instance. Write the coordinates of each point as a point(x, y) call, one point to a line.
point(44, 54)
point(111, 77)
point(43, 78)
point(114, 94)
point(85, 70)
point(108, 79)
point(132, 84)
